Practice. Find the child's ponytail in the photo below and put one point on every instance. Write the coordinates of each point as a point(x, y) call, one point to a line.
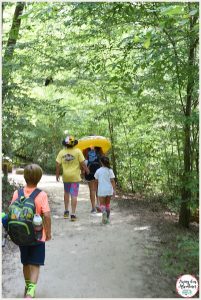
point(105, 161)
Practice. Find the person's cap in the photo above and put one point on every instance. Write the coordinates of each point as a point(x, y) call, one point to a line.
point(70, 140)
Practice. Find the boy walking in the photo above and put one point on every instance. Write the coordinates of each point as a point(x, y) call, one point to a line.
point(33, 256)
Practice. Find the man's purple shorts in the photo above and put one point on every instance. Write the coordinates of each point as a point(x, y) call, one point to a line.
point(71, 188)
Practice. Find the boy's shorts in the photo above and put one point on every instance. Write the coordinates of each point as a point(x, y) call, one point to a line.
point(33, 255)
point(71, 188)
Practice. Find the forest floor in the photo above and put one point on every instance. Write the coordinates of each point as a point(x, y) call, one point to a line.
point(86, 259)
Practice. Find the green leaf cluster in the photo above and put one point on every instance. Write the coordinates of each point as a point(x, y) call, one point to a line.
point(120, 70)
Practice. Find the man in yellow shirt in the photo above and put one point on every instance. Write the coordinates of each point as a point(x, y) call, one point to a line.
point(71, 160)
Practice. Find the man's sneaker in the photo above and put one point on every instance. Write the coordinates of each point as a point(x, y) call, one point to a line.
point(93, 211)
point(73, 218)
point(104, 217)
point(66, 214)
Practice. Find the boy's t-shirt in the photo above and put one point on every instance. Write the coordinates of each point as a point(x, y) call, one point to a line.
point(41, 203)
point(70, 160)
point(103, 175)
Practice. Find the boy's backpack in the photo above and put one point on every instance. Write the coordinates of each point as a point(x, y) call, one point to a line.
point(20, 219)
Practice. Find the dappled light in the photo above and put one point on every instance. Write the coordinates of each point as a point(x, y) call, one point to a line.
point(142, 228)
point(104, 97)
point(128, 88)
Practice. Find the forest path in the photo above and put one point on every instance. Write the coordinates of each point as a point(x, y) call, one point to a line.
point(86, 259)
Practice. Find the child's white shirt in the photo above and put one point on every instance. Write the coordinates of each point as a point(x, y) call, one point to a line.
point(103, 175)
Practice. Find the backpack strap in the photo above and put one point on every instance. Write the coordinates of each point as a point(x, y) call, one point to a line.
point(20, 193)
point(35, 193)
point(31, 198)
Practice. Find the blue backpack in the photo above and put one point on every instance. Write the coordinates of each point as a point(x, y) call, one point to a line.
point(93, 162)
point(20, 219)
point(92, 156)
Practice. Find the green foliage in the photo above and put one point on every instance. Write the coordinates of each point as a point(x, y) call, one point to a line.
point(8, 189)
point(119, 70)
point(182, 257)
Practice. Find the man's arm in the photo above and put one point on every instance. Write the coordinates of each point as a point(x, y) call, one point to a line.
point(84, 167)
point(58, 166)
point(47, 225)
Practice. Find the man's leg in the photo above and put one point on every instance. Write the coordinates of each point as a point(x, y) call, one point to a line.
point(73, 204)
point(74, 194)
point(66, 200)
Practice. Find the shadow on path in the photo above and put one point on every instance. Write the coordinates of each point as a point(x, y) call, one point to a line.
point(86, 259)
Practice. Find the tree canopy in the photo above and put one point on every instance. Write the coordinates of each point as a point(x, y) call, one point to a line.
point(127, 71)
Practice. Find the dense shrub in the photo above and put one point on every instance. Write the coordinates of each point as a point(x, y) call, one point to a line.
point(8, 188)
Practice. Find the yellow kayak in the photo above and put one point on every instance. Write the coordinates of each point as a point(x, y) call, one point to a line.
point(95, 141)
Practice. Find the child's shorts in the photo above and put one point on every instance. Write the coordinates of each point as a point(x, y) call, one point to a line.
point(89, 177)
point(71, 188)
point(33, 255)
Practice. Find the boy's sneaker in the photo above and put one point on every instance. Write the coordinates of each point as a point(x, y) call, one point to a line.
point(104, 217)
point(73, 218)
point(30, 291)
point(25, 291)
point(93, 211)
point(66, 214)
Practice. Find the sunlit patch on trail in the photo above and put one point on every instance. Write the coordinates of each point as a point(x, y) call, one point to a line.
point(96, 215)
point(79, 228)
point(142, 228)
point(57, 217)
point(61, 234)
point(82, 198)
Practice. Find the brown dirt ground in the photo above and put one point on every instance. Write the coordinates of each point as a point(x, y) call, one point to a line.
point(88, 260)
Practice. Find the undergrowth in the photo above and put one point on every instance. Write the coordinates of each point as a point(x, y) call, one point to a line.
point(183, 256)
point(8, 188)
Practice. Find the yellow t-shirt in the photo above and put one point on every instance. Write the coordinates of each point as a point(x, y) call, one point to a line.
point(70, 159)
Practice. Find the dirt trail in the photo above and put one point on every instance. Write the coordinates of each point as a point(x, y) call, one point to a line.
point(85, 259)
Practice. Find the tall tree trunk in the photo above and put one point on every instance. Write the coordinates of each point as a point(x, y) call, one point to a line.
point(8, 55)
point(111, 132)
point(184, 216)
point(114, 164)
point(130, 160)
